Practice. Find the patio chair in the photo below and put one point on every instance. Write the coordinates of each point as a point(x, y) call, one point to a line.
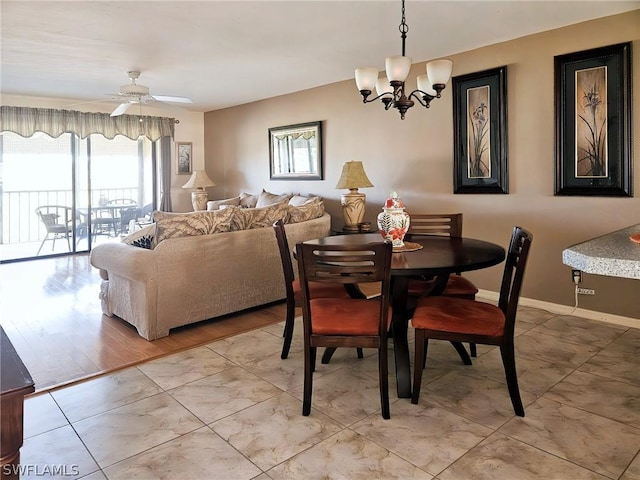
point(58, 222)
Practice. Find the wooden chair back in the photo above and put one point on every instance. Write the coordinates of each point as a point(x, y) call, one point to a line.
point(513, 275)
point(285, 257)
point(446, 224)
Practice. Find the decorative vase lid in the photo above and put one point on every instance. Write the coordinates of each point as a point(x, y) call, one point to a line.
point(393, 202)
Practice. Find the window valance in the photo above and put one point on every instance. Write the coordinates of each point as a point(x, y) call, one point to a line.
point(26, 121)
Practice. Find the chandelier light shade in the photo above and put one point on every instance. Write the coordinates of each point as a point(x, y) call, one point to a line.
point(353, 202)
point(391, 89)
point(199, 180)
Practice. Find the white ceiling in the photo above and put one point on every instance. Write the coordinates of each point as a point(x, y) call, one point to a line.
point(225, 53)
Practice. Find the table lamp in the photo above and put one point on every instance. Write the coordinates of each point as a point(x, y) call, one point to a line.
point(353, 203)
point(199, 180)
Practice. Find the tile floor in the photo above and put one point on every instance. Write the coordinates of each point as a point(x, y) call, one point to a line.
point(232, 410)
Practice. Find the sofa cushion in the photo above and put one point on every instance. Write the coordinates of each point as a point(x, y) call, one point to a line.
point(248, 200)
point(171, 225)
point(247, 218)
point(299, 200)
point(216, 204)
point(143, 238)
point(267, 198)
point(308, 211)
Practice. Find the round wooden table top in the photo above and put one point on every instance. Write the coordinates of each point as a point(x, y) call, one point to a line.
point(440, 254)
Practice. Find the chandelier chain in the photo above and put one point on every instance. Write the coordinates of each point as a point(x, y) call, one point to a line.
point(404, 28)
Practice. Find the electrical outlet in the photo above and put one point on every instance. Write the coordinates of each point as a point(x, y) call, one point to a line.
point(585, 291)
point(577, 276)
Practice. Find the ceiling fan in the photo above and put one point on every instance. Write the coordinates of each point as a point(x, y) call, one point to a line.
point(133, 93)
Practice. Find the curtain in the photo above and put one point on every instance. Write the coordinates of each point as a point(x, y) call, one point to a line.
point(165, 174)
point(26, 121)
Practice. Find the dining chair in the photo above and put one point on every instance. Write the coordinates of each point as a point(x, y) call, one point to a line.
point(449, 225)
point(294, 292)
point(58, 222)
point(345, 322)
point(464, 320)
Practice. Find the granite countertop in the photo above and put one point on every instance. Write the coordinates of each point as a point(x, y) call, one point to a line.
point(613, 254)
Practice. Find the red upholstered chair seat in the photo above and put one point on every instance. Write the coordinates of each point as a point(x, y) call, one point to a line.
point(334, 316)
point(457, 286)
point(457, 315)
point(319, 290)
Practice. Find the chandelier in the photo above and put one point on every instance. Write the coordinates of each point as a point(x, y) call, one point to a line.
point(391, 89)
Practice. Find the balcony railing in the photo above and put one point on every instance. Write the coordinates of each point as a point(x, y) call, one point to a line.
point(20, 224)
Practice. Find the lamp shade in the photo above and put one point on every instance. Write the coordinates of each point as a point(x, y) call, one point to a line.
point(439, 71)
point(366, 77)
point(199, 180)
point(353, 176)
point(397, 67)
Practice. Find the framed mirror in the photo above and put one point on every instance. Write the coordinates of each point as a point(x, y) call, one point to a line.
point(295, 152)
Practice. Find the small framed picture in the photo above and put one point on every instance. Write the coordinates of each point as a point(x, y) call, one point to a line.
point(480, 132)
point(184, 158)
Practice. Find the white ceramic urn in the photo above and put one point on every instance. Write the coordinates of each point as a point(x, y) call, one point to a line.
point(393, 221)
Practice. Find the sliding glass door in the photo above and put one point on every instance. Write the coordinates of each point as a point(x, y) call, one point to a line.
point(98, 186)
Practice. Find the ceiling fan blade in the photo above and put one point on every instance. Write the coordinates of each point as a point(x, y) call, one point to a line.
point(169, 98)
point(120, 109)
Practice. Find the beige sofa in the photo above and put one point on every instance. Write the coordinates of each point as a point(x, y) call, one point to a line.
point(188, 279)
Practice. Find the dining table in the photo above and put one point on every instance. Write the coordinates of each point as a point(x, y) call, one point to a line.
point(432, 256)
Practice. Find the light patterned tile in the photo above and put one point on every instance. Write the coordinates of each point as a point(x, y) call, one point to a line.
point(633, 470)
point(274, 431)
point(131, 429)
point(347, 455)
point(612, 364)
point(427, 436)
point(480, 400)
point(595, 442)
point(580, 330)
point(345, 395)
point(184, 367)
point(225, 393)
point(95, 476)
point(41, 414)
point(503, 458)
point(627, 343)
point(59, 450)
point(549, 348)
point(247, 347)
point(104, 393)
point(197, 455)
point(610, 398)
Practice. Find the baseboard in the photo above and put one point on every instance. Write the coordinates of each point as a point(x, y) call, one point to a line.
point(568, 310)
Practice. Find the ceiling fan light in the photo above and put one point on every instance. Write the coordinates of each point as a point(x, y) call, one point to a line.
point(366, 78)
point(439, 71)
point(424, 85)
point(397, 67)
point(383, 86)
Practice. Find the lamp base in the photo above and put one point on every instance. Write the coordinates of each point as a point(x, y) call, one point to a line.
point(353, 205)
point(199, 200)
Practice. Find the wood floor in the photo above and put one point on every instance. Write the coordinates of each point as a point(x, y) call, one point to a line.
point(50, 310)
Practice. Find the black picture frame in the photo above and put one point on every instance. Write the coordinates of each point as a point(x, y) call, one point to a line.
point(480, 132)
point(593, 155)
point(295, 152)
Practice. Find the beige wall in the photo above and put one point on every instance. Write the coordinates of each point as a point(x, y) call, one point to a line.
point(415, 158)
point(188, 130)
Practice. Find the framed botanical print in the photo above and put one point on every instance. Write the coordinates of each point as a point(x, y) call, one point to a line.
point(480, 132)
point(593, 122)
point(184, 158)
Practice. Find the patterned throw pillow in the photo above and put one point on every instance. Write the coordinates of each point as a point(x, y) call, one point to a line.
point(171, 225)
point(266, 198)
point(299, 200)
point(247, 200)
point(308, 211)
point(216, 204)
point(143, 238)
point(247, 218)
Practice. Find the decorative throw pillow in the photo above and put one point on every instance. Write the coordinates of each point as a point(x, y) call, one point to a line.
point(247, 218)
point(248, 200)
point(143, 238)
point(299, 200)
point(172, 225)
point(308, 211)
point(266, 198)
point(216, 204)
